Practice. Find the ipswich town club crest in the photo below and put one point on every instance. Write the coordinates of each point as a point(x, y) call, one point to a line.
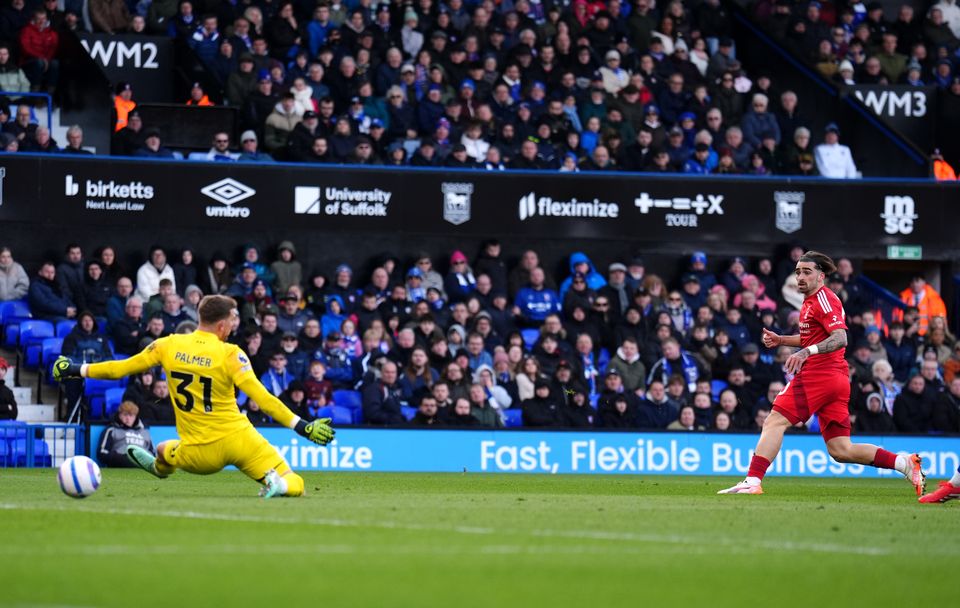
point(789, 210)
point(456, 202)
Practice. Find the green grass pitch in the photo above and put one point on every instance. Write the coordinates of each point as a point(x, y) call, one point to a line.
point(384, 540)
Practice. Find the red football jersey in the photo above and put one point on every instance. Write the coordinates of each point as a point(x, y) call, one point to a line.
point(821, 314)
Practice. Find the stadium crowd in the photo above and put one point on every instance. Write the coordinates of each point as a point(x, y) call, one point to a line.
point(520, 84)
point(618, 347)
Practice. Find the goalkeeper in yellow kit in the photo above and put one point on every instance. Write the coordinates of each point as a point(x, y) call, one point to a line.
point(202, 371)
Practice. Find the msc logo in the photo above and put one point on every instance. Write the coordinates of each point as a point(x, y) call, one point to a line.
point(229, 192)
point(789, 210)
point(899, 214)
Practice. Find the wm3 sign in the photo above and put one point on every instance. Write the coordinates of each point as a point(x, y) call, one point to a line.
point(910, 110)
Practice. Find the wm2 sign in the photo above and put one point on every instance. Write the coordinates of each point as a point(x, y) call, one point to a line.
point(120, 54)
point(145, 62)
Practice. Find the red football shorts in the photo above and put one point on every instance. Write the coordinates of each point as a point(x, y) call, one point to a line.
point(827, 396)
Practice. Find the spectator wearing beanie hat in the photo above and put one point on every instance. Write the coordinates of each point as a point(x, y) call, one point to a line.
point(459, 282)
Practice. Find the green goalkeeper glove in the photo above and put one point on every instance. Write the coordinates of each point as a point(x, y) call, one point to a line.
point(318, 431)
point(65, 369)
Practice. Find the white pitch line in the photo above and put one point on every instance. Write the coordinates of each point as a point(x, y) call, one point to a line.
point(340, 549)
point(596, 535)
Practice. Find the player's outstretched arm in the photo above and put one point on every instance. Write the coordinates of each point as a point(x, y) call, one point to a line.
point(772, 340)
point(317, 431)
point(64, 368)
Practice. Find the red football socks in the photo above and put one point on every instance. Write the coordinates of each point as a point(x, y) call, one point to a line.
point(758, 467)
point(884, 459)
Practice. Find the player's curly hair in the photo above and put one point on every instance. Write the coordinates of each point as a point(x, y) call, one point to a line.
point(822, 261)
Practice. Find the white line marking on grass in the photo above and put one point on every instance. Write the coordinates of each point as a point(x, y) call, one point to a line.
point(341, 549)
point(597, 535)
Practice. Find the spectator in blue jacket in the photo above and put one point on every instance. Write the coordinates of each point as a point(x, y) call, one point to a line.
point(417, 377)
point(476, 352)
point(736, 328)
point(117, 303)
point(657, 410)
point(579, 262)
point(205, 40)
point(381, 398)
point(319, 28)
point(673, 100)
point(46, 299)
point(331, 321)
point(535, 302)
point(338, 361)
point(459, 282)
point(253, 256)
point(277, 378)
point(70, 273)
point(697, 164)
point(152, 146)
point(758, 123)
point(430, 109)
point(901, 352)
point(291, 318)
point(298, 362)
point(698, 268)
point(85, 343)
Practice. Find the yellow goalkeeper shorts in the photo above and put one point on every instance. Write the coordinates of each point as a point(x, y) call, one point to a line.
point(247, 450)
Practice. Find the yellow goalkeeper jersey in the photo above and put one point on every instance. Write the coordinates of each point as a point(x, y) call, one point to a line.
point(202, 372)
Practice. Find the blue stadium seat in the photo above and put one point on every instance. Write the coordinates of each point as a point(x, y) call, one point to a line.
point(348, 399)
point(10, 430)
point(408, 412)
point(50, 349)
point(95, 391)
point(112, 397)
point(42, 353)
point(65, 327)
point(41, 453)
point(357, 416)
point(120, 357)
point(11, 315)
point(32, 336)
point(716, 387)
point(33, 332)
point(341, 415)
point(513, 417)
point(530, 337)
point(14, 308)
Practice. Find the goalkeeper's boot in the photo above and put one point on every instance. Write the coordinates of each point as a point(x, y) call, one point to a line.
point(143, 459)
point(945, 492)
point(744, 487)
point(915, 474)
point(273, 485)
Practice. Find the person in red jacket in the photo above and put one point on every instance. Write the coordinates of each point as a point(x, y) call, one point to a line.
point(38, 44)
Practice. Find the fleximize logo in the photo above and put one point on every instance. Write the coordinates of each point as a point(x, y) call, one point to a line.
point(531, 205)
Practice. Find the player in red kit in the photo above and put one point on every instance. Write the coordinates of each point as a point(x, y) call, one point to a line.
point(820, 385)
